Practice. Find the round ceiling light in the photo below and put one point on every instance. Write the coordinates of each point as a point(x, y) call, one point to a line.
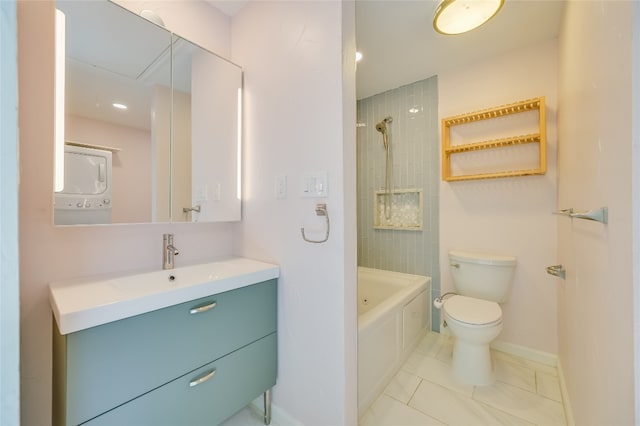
point(152, 16)
point(460, 16)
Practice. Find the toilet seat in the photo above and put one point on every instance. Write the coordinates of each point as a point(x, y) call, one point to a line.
point(472, 311)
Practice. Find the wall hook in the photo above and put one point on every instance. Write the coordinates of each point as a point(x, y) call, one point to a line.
point(321, 210)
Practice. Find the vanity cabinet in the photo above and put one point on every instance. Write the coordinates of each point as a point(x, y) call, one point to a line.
point(194, 363)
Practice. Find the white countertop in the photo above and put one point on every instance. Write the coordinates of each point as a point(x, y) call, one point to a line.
point(87, 302)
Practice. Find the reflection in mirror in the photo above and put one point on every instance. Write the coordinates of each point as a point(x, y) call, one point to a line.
point(114, 56)
point(206, 136)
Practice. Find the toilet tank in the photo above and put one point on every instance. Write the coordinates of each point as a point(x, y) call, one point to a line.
point(483, 275)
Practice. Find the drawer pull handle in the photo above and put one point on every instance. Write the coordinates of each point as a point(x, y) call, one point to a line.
point(202, 308)
point(202, 379)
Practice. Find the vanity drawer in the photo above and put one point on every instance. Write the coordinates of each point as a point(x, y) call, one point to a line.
point(238, 378)
point(111, 364)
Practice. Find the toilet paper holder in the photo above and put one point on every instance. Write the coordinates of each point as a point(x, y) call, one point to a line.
point(557, 271)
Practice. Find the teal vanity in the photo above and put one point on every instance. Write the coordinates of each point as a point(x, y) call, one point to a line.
point(187, 346)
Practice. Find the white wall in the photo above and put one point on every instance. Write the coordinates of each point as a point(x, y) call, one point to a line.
point(635, 208)
point(9, 291)
point(180, 154)
point(48, 253)
point(507, 215)
point(214, 119)
point(595, 309)
point(300, 117)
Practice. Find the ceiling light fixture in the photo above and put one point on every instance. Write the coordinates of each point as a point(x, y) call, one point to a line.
point(152, 16)
point(460, 16)
point(358, 56)
point(119, 106)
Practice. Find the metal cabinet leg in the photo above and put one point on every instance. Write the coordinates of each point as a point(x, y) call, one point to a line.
point(267, 406)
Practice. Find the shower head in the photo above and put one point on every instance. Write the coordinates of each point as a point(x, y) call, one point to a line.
point(382, 126)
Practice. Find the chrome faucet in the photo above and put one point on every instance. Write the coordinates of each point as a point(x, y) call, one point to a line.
point(168, 251)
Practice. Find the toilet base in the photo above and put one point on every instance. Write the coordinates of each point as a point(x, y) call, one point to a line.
point(472, 363)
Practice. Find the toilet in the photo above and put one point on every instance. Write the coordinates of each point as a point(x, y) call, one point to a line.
point(472, 314)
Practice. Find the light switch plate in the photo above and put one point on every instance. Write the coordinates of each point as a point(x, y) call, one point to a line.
point(315, 185)
point(281, 186)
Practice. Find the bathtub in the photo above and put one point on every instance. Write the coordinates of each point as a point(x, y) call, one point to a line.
point(393, 314)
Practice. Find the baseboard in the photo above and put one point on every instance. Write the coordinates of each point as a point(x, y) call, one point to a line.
point(568, 412)
point(279, 417)
point(527, 353)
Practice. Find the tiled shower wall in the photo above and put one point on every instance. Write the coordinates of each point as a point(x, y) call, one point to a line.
point(413, 138)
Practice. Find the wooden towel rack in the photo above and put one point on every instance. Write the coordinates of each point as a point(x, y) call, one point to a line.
point(492, 113)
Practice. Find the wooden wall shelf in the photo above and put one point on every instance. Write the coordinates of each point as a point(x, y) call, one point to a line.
point(448, 150)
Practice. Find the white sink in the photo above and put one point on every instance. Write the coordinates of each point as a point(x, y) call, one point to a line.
point(87, 302)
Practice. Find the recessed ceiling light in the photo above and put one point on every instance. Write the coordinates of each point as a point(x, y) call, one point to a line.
point(358, 56)
point(119, 106)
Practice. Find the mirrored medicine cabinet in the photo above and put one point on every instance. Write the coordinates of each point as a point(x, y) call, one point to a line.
point(152, 123)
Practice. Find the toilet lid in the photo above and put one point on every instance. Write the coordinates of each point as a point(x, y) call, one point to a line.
point(472, 311)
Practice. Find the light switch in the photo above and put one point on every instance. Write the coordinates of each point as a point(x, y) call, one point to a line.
point(281, 186)
point(314, 185)
point(217, 192)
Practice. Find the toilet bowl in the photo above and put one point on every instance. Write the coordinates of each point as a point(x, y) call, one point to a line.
point(472, 314)
point(474, 324)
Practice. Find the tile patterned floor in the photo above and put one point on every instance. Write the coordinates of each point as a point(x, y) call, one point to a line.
point(424, 393)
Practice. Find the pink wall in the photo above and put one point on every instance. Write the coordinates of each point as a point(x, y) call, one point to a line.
point(595, 303)
point(48, 253)
point(508, 215)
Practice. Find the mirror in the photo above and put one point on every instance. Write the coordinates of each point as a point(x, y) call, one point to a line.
point(207, 118)
point(174, 150)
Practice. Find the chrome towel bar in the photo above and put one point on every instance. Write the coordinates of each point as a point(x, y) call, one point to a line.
point(600, 215)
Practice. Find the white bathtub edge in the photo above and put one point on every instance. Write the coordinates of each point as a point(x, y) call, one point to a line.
point(389, 314)
point(395, 301)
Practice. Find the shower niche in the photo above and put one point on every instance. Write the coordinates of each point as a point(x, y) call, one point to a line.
point(399, 209)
